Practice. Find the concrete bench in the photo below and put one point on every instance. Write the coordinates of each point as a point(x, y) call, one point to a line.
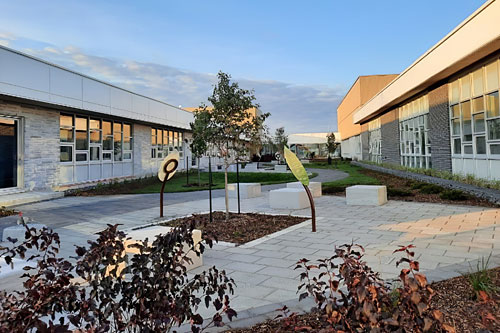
point(247, 190)
point(250, 167)
point(150, 233)
point(314, 187)
point(288, 198)
point(366, 195)
point(280, 168)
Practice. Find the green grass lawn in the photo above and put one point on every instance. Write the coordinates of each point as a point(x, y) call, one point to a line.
point(355, 177)
point(178, 183)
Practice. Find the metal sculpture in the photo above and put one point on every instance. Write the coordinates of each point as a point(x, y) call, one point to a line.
point(300, 173)
point(167, 169)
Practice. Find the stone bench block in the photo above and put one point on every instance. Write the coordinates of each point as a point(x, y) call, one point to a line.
point(366, 195)
point(314, 187)
point(280, 168)
point(250, 167)
point(18, 231)
point(247, 190)
point(150, 233)
point(288, 198)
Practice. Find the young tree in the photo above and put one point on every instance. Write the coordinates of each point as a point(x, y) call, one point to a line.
point(331, 145)
point(231, 124)
point(280, 141)
point(199, 144)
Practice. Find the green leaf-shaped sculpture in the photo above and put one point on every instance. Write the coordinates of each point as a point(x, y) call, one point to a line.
point(296, 167)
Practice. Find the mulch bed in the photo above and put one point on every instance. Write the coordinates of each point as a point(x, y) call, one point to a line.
point(240, 228)
point(454, 297)
point(461, 308)
point(399, 188)
point(4, 212)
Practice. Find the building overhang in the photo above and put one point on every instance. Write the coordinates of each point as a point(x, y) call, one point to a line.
point(41, 83)
point(472, 40)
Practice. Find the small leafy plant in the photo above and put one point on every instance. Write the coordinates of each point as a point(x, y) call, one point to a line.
point(430, 189)
point(152, 293)
point(480, 278)
point(454, 195)
point(353, 298)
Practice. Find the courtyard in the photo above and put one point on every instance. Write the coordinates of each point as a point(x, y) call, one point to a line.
point(448, 238)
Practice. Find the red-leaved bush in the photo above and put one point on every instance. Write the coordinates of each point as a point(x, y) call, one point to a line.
point(353, 298)
point(152, 293)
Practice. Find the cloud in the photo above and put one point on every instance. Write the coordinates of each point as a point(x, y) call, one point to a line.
point(299, 108)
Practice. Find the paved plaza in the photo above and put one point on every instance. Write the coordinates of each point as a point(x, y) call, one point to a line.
point(447, 239)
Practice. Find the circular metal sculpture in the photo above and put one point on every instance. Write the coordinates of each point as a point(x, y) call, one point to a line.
point(167, 169)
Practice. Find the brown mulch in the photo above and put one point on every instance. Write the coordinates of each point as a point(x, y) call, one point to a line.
point(462, 308)
point(454, 297)
point(4, 212)
point(240, 228)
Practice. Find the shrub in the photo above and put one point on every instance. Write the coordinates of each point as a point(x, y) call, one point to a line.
point(7, 211)
point(453, 195)
point(332, 189)
point(367, 304)
point(153, 293)
point(430, 189)
point(394, 192)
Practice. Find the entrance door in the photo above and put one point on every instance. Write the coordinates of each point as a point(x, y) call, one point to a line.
point(8, 152)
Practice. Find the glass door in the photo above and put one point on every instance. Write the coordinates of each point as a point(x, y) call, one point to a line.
point(8, 152)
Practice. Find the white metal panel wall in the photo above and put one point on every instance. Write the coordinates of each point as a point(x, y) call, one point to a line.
point(26, 77)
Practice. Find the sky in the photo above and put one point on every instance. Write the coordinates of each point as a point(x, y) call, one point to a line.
point(300, 57)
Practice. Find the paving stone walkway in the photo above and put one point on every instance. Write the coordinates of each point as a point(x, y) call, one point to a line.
point(447, 239)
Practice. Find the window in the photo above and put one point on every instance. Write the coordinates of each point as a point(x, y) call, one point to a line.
point(466, 122)
point(415, 147)
point(95, 153)
point(107, 134)
point(127, 142)
point(164, 141)
point(67, 127)
point(117, 142)
point(93, 140)
point(66, 154)
point(82, 138)
point(475, 121)
point(95, 131)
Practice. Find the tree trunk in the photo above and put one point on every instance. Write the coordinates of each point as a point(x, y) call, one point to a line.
point(225, 186)
point(199, 173)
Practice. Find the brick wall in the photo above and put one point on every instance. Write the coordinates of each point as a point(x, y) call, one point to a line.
point(439, 122)
point(365, 149)
point(40, 154)
point(390, 137)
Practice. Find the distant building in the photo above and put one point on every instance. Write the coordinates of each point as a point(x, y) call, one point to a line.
point(308, 145)
point(442, 112)
point(60, 129)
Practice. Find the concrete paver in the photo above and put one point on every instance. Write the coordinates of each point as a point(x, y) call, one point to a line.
point(448, 238)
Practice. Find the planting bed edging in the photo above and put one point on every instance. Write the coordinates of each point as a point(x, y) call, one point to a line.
point(489, 194)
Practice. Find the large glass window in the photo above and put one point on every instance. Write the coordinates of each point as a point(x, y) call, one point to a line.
point(475, 116)
point(164, 141)
point(415, 142)
point(85, 139)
